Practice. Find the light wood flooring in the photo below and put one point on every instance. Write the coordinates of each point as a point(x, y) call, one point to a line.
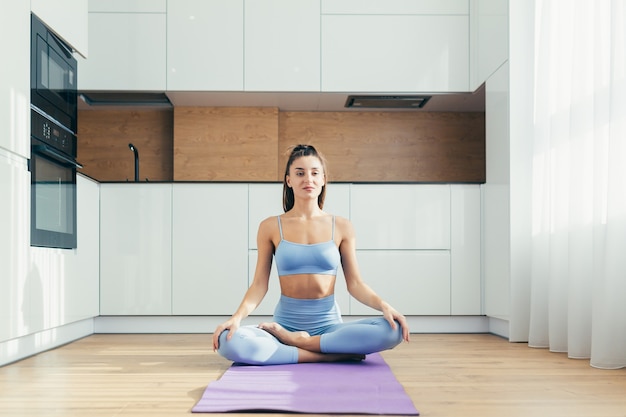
point(445, 375)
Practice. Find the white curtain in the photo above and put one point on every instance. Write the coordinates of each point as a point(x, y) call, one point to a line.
point(578, 278)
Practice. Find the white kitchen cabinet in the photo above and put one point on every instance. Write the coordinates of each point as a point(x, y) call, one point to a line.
point(44, 288)
point(265, 200)
point(63, 285)
point(81, 267)
point(15, 315)
point(136, 249)
point(15, 80)
point(465, 250)
point(266, 308)
point(67, 18)
point(420, 244)
point(282, 45)
point(489, 23)
point(395, 7)
point(397, 216)
point(209, 248)
point(127, 6)
point(337, 200)
point(415, 282)
point(395, 53)
point(205, 45)
point(498, 253)
point(127, 51)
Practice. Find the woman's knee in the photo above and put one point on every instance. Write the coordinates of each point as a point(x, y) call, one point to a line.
point(395, 335)
point(389, 337)
point(235, 348)
point(225, 348)
point(254, 346)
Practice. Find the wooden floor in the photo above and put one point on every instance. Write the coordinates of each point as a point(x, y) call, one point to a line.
point(445, 375)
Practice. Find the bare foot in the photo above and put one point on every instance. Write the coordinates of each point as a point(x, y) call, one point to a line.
point(309, 346)
point(299, 339)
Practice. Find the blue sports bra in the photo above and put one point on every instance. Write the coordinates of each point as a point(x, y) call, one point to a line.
point(300, 258)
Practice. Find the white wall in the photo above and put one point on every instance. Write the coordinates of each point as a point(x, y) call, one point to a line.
point(506, 210)
point(496, 199)
point(521, 16)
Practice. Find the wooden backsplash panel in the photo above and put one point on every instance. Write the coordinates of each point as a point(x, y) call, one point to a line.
point(249, 144)
point(104, 135)
point(391, 146)
point(225, 144)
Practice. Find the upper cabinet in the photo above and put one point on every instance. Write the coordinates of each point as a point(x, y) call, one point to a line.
point(389, 7)
point(66, 18)
point(282, 45)
point(397, 46)
point(15, 80)
point(489, 39)
point(126, 46)
point(226, 45)
point(397, 53)
point(205, 45)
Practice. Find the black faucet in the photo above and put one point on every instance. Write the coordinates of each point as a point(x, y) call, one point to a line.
point(132, 148)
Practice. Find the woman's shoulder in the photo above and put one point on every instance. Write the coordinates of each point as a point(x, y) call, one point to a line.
point(340, 219)
point(271, 221)
point(342, 223)
point(268, 230)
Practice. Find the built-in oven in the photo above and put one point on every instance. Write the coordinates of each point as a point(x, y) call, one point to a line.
point(53, 140)
point(53, 184)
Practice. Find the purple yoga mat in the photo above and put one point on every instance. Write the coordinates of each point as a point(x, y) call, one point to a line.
point(366, 387)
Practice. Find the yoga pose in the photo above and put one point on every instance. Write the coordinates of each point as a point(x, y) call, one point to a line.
point(307, 244)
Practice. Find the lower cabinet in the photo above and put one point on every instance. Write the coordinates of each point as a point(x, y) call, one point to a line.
point(190, 249)
point(414, 282)
point(209, 248)
point(42, 289)
point(16, 280)
point(135, 249)
point(80, 290)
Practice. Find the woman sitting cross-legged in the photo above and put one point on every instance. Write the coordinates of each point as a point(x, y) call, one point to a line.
point(308, 245)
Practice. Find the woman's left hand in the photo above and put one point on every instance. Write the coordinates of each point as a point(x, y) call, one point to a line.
point(393, 316)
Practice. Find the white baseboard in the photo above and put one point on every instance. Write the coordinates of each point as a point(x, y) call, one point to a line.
point(499, 326)
point(22, 347)
point(206, 324)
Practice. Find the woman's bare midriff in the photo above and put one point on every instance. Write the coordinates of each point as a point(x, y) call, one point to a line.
point(307, 286)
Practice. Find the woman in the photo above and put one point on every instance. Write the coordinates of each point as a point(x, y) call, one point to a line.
point(308, 244)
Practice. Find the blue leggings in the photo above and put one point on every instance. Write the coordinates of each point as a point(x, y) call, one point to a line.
point(255, 346)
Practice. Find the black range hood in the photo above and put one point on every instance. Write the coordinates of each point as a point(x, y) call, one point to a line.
point(125, 99)
point(386, 102)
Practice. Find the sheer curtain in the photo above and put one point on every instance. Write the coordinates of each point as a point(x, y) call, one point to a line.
point(578, 278)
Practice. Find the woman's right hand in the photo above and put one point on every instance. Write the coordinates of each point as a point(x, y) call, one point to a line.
point(231, 325)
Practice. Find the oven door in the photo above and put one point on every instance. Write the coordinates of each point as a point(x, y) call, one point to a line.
point(53, 198)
